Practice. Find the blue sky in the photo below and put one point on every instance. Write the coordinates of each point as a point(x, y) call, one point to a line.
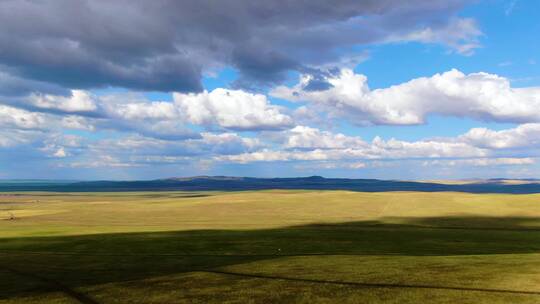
point(418, 90)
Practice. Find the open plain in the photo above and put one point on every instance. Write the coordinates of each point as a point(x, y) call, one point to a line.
point(287, 246)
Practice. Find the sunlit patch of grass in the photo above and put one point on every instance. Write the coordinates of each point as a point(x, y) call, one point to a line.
point(271, 247)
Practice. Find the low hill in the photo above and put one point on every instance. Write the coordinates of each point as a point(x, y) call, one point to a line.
point(228, 183)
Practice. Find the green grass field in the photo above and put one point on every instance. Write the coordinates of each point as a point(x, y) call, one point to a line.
point(269, 247)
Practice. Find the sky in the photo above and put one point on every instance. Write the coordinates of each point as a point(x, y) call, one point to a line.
point(388, 89)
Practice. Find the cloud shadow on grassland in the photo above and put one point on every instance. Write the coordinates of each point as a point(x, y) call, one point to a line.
point(87, 260)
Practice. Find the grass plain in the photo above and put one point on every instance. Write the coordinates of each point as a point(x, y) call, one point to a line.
point(269, 247)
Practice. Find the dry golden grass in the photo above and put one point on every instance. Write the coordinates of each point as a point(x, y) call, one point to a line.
point(269, 247)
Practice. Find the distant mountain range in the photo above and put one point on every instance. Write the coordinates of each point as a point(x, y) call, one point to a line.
point(230, 183)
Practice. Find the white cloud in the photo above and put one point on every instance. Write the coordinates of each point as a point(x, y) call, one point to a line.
point(408, 151)
point(58, 145)
point(393, 148)
point(153, 132)
point(307, 137)
point(101, 161)
point(357, 165)
point(140, 150)
point(230, 139)
point(21, 127)
point(331, 165)
point(267, 155)
point(79, 101)
point(460, 34)
point(21, 119)
point(478, 95)
point(154, 110)
point(526, 135)
point(77, 123)
point(60, 153)
point(482, 162)
point(229, 109)
point(13, 137)
point(233, 109)
point(302, 144)
point(165, 129)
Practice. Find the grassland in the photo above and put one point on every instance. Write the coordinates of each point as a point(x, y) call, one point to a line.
point(269, 247)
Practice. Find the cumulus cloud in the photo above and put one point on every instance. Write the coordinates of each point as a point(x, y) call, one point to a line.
point(301, 144)
point(166, 130)
point(229, 142)
point(304, 137)
point(155, 132)
point(143, 110)
point(58, 145)
point(167, 45)
point(10, 138)
point(222, 143)
point(49, 68)
point(20, 119)
point(482, 162)
point(129, 112)
point(79, 101)
point(136, 150)
point(19, 127)
point(232, 109)
point(60, 153)
point(522, 136)
point(101, 161)
point(461, 34)
point(478, 95)
point(479, 148)
point(77, 123)
point(393, 148)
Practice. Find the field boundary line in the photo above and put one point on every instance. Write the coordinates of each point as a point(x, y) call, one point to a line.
point(55, 285)
point(53, 253)
point(247, 255)
point(374, 285)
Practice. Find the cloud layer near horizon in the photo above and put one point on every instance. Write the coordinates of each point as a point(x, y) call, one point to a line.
point(161, 131)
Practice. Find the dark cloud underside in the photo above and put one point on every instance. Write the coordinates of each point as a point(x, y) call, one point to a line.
point(167, 45)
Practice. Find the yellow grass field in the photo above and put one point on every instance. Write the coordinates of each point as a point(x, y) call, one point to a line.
point(269, 247)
